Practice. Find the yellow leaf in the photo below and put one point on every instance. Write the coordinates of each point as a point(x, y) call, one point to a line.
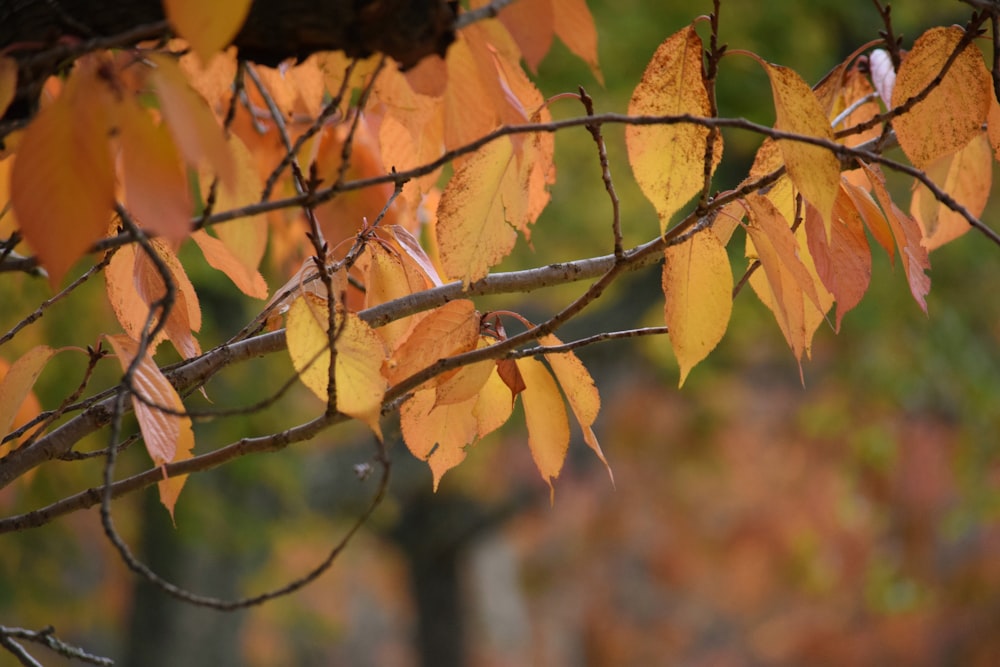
point(8, 82)
point(168, 436)
point(444, 332)
point(207, 26)
point(195, 131)
point(156, 187)
point(698, 287)
point(16, 383)
point(220, 256)
point(669, 160)
point(62, 182)
point(471, 229)
point(967, 176)
point(545, 414)
point(386, 279)
point(575, 26)
point(438, 434)
point(494, 404)
point(814, 170)
point(581, 393)
point(954, 112)
point(359, 382)
point(468, 381)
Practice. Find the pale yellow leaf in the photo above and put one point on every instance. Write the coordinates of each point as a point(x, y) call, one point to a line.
point(698, 288)
point(545, 415)
point(360, 386)
point(669, 160)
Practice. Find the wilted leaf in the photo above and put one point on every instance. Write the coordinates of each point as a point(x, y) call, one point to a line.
point(16, 383)
point(168, 436)
point(668, 160)
point(437, 433)
point(359, 382)
point(207, 26)
point(951, 114)
point(545, 415)
point(814, 170)
point(967, 176)
point(472, 232)
point(446, 331)
point(698, 288)
point(62, 183)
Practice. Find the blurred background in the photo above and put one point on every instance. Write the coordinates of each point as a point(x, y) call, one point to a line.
point(854, 520)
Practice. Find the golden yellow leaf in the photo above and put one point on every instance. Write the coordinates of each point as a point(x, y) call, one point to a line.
point(386, 279)
point(581, 393)
point(545, 415)
point(472, 232)
point(8, 82)
point(16, 382)
point(219, 256)
point(359, 382)
point(967, 176)
point(669, 160)
point(494, 404)
point(194, 128)
point(207, 26)
point(168, 437)
point(814, 170)
point(446, 331)
point(156, 187)
point(698, 288)
point(62, 182)
point(954, 112)
point(438, 434)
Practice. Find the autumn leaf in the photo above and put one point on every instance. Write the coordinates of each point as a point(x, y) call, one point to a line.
point(532, 25)
point(168, 436)
point(8, 82)
point(196, 133)
point(494, 404)
point(967, 176)
point(843, 261)
point(581, 393)
point(207, 26)
point(468, 381)
point(446, 331)
point(156, 187)
point(814, 170)
point(386, 279)
point(669, 160)
point(954, 111)
point(574, 25)
point(698, 288)
point(908, 237)
point(16, 382)
point(545, 415)
point(857, 185)
point(359, 382)
point(437, 433)
point(219, 256)
point(472, 232)
point(62, 183)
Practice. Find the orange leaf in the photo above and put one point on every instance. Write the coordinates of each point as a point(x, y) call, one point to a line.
point(575, 26)
point(907, 234)
point(168, 437)
point(967, 176)
point(444, 332)
point(436, 433)
point(814, 170)
point(669, 160)
point(16, 382)
point(545, 415)
point(195, 131)
point(8, 82)
point(207, 26)
point(581, 393)
point(357, 371)
point(220, 257)
point(156, 187)
point(471, 229)
point(62, 182)
point(855, 182)
point(954, 112)
point(532, 25)
point(844, 261)
point(468, 381)
point(698, 287)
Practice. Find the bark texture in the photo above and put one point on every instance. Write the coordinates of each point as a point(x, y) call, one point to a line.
point(44, 35)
